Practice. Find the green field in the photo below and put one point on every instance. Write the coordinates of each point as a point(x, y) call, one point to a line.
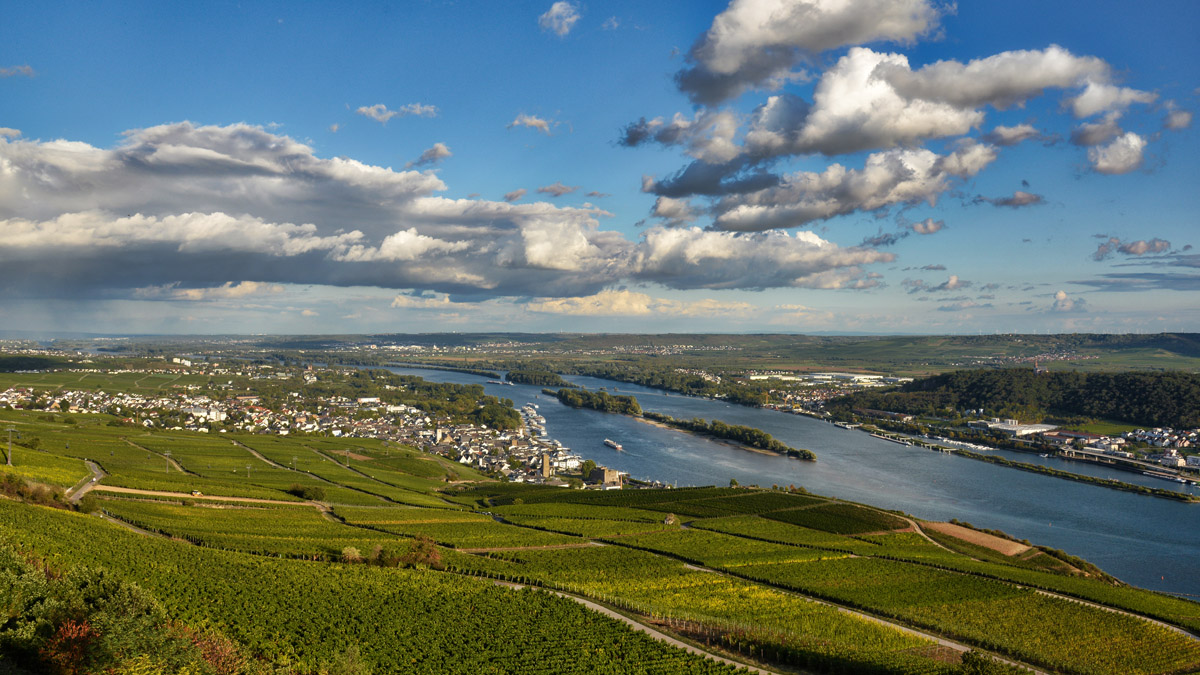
point(758, 574)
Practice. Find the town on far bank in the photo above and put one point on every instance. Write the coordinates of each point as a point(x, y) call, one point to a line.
point(294, 403)
point(256, 393)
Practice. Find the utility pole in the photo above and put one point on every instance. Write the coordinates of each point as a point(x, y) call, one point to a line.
point(10, 432)
point(247, 472)
point(167, 454)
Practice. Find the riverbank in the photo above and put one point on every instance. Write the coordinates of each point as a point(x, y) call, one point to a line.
point(1037, 468)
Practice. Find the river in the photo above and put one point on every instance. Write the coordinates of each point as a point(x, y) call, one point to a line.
point(1146, 541)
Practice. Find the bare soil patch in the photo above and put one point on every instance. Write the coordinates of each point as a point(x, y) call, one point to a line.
point(998, 544)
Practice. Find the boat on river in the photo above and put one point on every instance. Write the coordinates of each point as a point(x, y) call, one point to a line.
point(614, 445)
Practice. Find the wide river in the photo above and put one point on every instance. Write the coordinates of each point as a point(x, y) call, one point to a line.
point(1147, 541)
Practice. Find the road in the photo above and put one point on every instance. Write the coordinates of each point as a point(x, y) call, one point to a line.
point(87, 484)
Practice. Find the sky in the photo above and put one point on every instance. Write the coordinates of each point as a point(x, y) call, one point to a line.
point(810, 166)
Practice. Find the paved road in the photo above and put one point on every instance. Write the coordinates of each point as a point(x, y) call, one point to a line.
point(87, 484)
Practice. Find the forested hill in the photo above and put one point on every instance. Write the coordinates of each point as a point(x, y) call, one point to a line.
point(1148, 399)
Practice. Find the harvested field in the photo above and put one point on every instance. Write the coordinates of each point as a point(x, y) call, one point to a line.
point(998, 544)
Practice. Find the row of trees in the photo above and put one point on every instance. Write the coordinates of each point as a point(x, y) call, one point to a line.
point(1169, 399)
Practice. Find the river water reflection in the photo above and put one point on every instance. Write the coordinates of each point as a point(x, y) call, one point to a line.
point(1147, 541)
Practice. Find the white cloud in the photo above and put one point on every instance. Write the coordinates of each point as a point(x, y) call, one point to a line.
point(514, 195)
point(1177, 119)
point(1002, 80)
point(403, 245)
point(611, 23)
point(333, 128)
point(8, 132)
point(755, 43)
point(560, 18)
point(308, 313)
point(432, 155)
point(1095, 133)
point(968, 159)
point(675, 212)
point(532, 122)
point(709, 136)
point(695, 258)
point(438, 301)
point(380, 113)
point(185, 233)
point(886, 179)
point(856, 109)
point(928, 226)
point(226, 291)
point(1099, 96)
point(1006, 136)
point(632, 303)
point(1122, 155)
point(1065, 303)
point(190, 207)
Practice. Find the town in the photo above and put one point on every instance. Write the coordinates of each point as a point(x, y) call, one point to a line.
point(524, 454)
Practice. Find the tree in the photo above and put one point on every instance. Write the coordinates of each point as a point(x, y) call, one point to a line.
point(733, 482)
point(587, 467)
point(351, 554)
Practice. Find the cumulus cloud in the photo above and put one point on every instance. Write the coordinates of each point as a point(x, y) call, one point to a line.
point(887, 178)
point(515, 195)
point(432, 155)
point(560, 18)
point(920, 286)
point(532, 122)
point(1177, 119)
point(8, 132)
point(1100, 96)
point(13, 71)
point(196, 206)
point(709, 136)
point(557, 189)
point(1065, 303)
point(695, 258)
point(1095, 133)
point(928, 226)
point(1139, 247)
point(1122, 155)
point(676, 212)
point(380, 113)
point(756, 43)
point(438, 301)
point(1006, 136)
point(1018, 199)
point(632, 303)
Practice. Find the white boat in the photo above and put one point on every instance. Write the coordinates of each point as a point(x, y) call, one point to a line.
point(613, 444)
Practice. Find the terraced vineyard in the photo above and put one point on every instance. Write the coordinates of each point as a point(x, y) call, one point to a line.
point(760, 575)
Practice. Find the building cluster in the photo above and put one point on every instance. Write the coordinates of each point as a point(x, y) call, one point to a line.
point(521, 455)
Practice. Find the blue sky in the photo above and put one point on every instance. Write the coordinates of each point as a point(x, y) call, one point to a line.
point(888, 166)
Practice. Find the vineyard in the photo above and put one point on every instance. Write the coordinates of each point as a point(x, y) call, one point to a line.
point(763, 575)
